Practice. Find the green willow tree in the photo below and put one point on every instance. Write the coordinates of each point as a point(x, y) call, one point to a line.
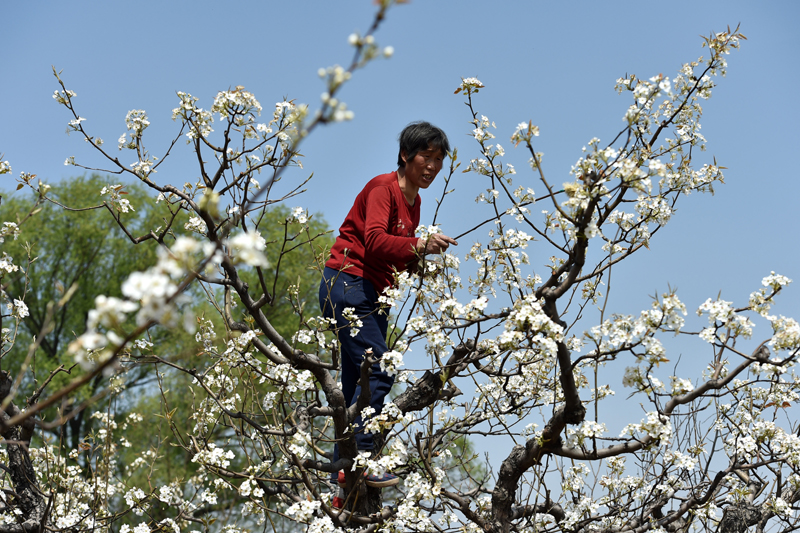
point(71, 242)
point(81, 249)
point(77, 246)
point(295, 284)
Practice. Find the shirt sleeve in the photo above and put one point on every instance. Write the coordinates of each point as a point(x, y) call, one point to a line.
point(379, 241)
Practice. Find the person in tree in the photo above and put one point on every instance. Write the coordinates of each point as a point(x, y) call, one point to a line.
point(377, 239)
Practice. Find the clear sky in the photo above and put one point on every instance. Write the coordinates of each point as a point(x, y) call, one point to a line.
point(554, 63)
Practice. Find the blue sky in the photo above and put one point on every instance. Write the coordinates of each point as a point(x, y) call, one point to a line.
point(552, 63)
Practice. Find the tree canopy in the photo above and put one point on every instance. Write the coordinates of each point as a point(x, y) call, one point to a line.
point(78, 246)
point(514, 348)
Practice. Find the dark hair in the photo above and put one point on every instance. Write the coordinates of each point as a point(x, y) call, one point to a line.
point(419, 136)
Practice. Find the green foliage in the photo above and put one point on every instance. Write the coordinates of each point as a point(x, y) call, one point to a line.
point(169, 399)
point(72, 243)
point(83, 245)
point(296, 253)
point(65, 247)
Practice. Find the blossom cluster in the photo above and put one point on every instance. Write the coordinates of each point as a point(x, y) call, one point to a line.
point(725, 321)
point(237, 103)
point(154, 293)
point(469, 86)
point(114, 193)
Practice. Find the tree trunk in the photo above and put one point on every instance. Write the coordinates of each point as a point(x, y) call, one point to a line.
point(370, 501)
point(738, 518)
point(27, 497)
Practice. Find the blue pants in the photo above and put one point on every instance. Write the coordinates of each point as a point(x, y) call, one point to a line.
point(337, 291)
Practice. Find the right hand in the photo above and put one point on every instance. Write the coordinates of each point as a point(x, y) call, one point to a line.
point(435, 244)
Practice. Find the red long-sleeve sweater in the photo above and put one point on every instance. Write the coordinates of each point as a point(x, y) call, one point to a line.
point(377, 236)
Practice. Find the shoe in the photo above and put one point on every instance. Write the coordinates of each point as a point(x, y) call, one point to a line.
point(386, 480)
point(337, 504)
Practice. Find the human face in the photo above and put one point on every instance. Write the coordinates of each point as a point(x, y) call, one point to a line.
point(421, 170)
